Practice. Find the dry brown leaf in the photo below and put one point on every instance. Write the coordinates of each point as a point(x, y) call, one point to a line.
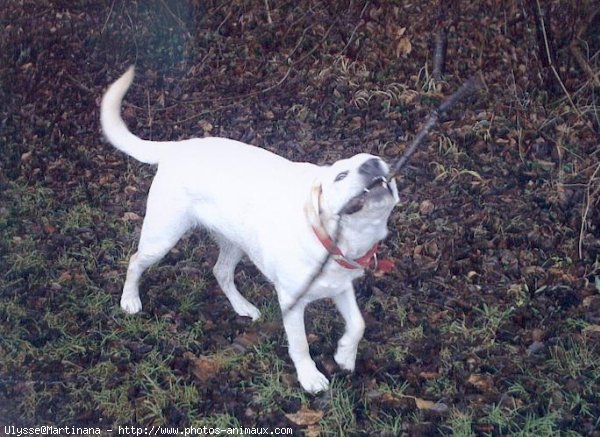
point(429, 375)
point(203, 367)
point(404, 47)
point(131, 217)
point(305, 416)
point(482, 382)
point(312, 431)
point(65, 277)
point(426, 207)
point(423, 404)
point(206, 126)
point(26, 156)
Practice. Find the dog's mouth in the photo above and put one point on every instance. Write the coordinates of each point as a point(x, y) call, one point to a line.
point(375, 191)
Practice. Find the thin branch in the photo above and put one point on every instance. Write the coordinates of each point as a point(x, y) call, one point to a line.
point(177, 19)
point(548, 59)
point(319, 271)
point(576, 52)
point(269, 20)
point(112, 5)
point(441, 41)
point(589, 195)
point(466, 89)
point(355, 28)
point(439, 54)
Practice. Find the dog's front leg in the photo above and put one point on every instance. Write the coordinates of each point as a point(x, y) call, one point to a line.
point(309, 376)
point(355, 327)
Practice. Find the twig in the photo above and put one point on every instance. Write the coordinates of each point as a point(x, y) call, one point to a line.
point(589, 195)
point(355, 28)
point(311, 51)
point(550, 61)
point(270, 87)
point(576, 52)
point(467, 88)
point(319, 271)
point(79, 84)
point(269, 20)
point(223, 22)
point(177, 19)
point(439, 54)
point(112, 5)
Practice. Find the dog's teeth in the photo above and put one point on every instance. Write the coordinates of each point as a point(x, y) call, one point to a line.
point(366, 190)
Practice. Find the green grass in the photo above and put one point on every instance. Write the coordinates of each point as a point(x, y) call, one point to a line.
point(120, 367)
point(69, 354)
point(340, 418)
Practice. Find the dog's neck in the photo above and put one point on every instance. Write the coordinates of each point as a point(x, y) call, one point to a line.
point(358, 234)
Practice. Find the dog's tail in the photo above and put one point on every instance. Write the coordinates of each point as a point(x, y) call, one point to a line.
point(115, 129)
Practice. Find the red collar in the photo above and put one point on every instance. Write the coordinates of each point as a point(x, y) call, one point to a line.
point(369, 259)
point(312, 209)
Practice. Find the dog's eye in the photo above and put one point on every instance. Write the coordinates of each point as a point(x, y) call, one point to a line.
point(341, 176)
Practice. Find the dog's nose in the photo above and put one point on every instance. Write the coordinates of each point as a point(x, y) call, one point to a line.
point(372, 169)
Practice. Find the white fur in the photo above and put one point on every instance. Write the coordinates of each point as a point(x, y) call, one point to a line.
point(253, 202)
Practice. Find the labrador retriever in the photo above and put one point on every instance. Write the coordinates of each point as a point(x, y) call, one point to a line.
point(279, 213)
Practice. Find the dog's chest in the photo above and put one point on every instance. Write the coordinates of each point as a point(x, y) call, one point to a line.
point(333, 281)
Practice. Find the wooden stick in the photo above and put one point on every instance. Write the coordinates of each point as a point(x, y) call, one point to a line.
point(593, 76)
point(439, 54)
point(466, 89)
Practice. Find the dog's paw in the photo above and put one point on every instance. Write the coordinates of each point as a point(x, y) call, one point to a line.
point(312, 380)
point(346, 358)
point(246, 309)
point(131, 305)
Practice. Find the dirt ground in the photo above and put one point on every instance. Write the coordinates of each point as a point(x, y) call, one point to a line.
point(489, 323)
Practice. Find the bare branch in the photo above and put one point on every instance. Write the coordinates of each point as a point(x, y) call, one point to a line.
point(439, 54)
point(466, 89)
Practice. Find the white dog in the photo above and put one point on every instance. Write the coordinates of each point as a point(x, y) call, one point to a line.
point(281, 214)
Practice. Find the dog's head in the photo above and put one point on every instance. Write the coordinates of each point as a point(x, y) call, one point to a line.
point(359, 186)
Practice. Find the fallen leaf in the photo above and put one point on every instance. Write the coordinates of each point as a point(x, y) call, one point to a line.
point(203, 367)
point(65, 277)
point(26, 156)
point(482, 382)
point(425, 405)
point(426, 207)
point(246, 341)
point(206, 126)
point(312, 431)
point(305, 416)
point(131, 217)
point(437, 316)
point(49, 229)
point(384, 266)
point(429, 375)
point(404, 47)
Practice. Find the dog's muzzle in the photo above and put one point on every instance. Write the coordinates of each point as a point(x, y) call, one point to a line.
point(378, 187)
point(379, 181)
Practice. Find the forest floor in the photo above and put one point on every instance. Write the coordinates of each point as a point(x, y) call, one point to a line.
point(488, 325)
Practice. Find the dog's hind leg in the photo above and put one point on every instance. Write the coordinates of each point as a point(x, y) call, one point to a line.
point(165, 223)
point(224, 269)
